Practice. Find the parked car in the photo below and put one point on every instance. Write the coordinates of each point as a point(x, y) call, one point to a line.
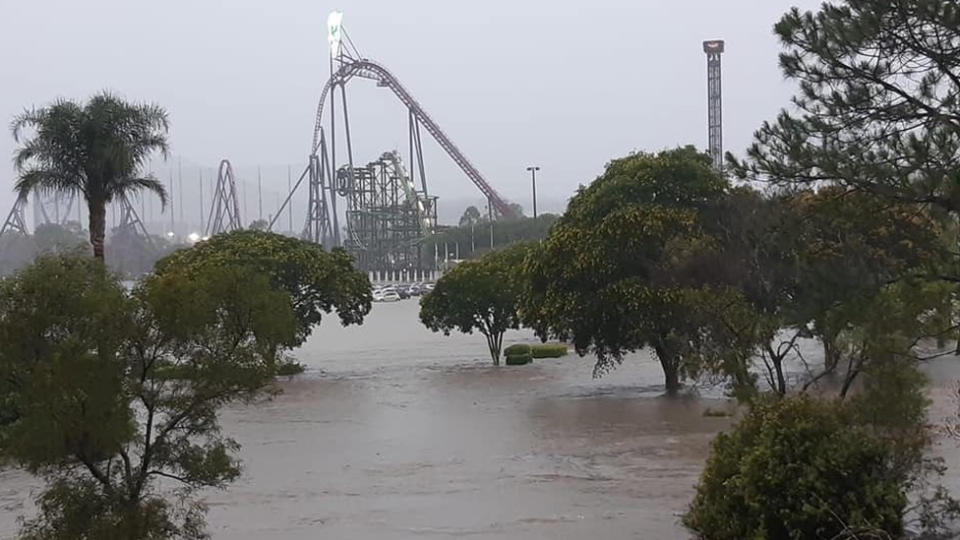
point(389, 295)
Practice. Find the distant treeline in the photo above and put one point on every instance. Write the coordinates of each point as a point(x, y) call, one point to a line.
point(474, 238)
point(130, 255)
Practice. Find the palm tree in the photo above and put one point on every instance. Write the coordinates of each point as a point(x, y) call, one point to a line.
point(96, 150)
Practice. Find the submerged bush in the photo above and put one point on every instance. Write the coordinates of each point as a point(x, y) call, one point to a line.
point(519, 359)
point(518, 348)
point(289, 368)
point(548, 350)
point(798, 468)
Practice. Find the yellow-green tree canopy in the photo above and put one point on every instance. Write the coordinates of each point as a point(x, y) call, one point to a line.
point(317, 281)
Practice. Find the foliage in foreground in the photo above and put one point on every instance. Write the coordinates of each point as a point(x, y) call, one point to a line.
point(478, 296)
point(876, 109)
point(112, 396)
point(797, 468)
point(88, 404)
point(802, 467)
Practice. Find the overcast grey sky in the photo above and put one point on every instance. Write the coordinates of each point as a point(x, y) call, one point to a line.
point(561, 84)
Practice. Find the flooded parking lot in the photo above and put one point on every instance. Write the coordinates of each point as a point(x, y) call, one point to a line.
point(395, 432)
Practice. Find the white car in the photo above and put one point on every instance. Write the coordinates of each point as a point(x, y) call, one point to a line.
point(389, 295)
point(377, 295)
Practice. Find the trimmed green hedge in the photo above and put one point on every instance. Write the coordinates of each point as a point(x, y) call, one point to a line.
point(519, 359)
point(548, 350)
point(519, 348)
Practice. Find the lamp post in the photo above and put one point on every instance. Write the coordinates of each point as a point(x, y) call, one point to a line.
point(490, 217)
point(533, 180)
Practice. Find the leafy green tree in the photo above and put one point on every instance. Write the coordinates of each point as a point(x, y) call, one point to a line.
point(845, 268)
point(54, 238)
point(877, 105)
point(96, 150)
point(861, 281)
point(317, 281)
point(623, 269)
point(471, 216)
point(478, 295)
point(876, 110)
point(16, 251)
point(799, 468)
point(474, 239)
point(113, 396)
point(802, 467)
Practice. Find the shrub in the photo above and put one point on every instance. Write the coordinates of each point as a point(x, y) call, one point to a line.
point(710, 412)
point(289, 368)
point(518, 348)
point(519, 359)
point(548, 350)
point(797, 468)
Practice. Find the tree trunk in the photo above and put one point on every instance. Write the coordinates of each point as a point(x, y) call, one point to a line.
point(776, 358)
point(98, 226)
point(781, 380)
point(495, 342)
point(671, 369)
point(671, 378)
point(831, 356)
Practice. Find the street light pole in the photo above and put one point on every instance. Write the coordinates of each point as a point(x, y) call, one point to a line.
point(490, 217)
point(533, 180)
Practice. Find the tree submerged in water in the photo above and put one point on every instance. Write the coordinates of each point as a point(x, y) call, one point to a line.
point(478, 296)
point(623, 268)
point(112, 396)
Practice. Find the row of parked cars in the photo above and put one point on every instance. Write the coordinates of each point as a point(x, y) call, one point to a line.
point(395, 293)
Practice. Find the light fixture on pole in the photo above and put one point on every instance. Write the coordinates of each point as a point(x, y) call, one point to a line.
point(533, 180)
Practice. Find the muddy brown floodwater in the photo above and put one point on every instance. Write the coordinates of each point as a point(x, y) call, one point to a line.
point(395, 432)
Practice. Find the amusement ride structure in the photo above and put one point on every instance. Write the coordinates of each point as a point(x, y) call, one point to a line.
point(389, 211)
point(387, 208)
point(225, 208)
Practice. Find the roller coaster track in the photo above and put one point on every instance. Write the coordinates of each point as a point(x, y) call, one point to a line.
point(368, 69)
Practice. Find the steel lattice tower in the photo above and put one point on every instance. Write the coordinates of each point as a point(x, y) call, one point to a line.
point(714, 48)
point(388, 217)
point(15, 222)
point(225, 208)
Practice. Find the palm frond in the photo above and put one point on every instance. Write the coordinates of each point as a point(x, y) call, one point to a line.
point(130, 185)
point(28, 118)
point(98, 149)
point(45, 181)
